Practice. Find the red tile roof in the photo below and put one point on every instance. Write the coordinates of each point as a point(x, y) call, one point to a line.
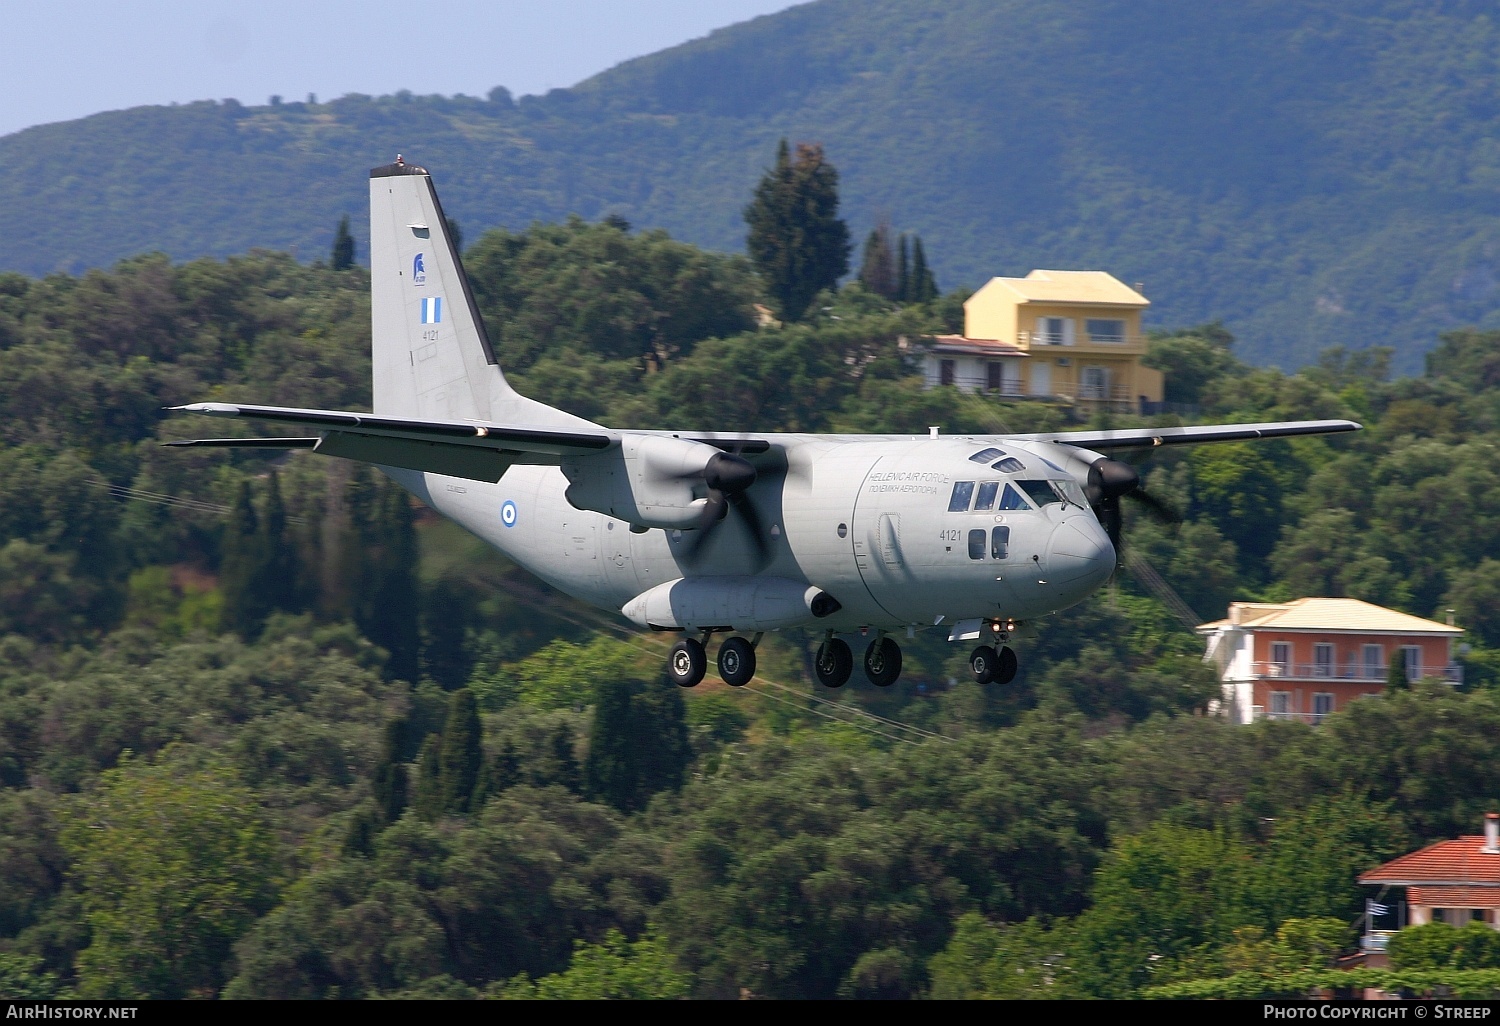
point(1456, 862)
point(1454, 897)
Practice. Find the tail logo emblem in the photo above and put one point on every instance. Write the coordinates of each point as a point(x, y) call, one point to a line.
point(418, 272)
point(508, 514)
point(432, 310)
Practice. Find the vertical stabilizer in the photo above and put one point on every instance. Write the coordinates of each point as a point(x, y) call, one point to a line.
point(432, 358)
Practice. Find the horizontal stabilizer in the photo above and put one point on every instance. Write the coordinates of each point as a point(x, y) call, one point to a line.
point(248, 443)
point(552, 442)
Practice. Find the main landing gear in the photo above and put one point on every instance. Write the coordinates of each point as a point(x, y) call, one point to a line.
point(991, 667)
point(835, 662)
point(688, 661)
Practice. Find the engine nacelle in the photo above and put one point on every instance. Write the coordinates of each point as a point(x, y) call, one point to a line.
point(729, 603)
point(647, 481)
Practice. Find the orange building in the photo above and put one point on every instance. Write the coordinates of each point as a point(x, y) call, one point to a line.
point(1303, 660)
point(1453, 882)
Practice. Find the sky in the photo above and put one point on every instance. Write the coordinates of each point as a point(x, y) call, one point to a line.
point(67, 59)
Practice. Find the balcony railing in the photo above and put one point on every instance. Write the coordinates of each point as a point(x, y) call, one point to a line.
point(981, 383)
point(1353, 673)
point(1260, 712)
point(1037, 339)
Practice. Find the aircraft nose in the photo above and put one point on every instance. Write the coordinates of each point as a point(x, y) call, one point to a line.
point(1079, 554)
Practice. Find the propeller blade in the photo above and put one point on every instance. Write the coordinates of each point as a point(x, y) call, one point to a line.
point(747, 511)
point(1160, 510)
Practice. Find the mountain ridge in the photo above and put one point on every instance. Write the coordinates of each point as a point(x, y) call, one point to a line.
point(1311, 175)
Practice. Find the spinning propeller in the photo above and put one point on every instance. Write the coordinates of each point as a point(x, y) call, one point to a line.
point(728, 476)
point(1111, 480)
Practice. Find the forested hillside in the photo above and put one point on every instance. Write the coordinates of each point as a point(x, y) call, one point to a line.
point(1312, 173)
point(267, 729)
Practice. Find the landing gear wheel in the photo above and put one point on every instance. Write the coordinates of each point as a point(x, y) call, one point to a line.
point(1005, 671)
point(982, 663)
point(834, 663)
point(736, 662)
point(687, 663)
point(883, 662)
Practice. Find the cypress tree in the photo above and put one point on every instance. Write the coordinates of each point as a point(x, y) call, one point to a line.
point(612, 770)
point(388, 609)
point(427, 799)
point(797, 241)
point(877, 271)
point(239, 569)
point(923, 287)
point(445, 621)
point(390, 780)
point(1395, 672)
point(903, 273)
point(638, 744)
point(564, 763)
point(342, 257)
point(461, 753)
point(275, 571)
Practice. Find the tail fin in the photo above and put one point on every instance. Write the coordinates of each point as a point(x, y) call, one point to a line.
point(432, 357)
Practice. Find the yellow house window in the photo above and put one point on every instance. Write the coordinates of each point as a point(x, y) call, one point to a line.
point(1104, 330)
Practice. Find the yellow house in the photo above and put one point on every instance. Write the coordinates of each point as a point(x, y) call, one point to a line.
point(1072, 335)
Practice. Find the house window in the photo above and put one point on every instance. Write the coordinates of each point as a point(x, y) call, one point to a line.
point(1322, 660)
point(1374, 660)
point(1281, 659)
point(1322, 706)
point(1281, 705)
point(1094, 383)
point(994, 376)
point(1104, 330)
point(1413, 656)
point(1053, 331)
point(945, 372)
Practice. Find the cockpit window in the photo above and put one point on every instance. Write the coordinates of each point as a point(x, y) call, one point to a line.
point(963, 491)
point(1010, 499)
point(1072, 491)
point(1010, 465)
point(985, 455)
point(1041, 492)
point(987, 491)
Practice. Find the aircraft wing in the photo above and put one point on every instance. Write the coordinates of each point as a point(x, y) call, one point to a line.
point(1147, 438)
point(480, 452)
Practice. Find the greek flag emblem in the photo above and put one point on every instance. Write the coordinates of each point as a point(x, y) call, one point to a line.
point(432, 310)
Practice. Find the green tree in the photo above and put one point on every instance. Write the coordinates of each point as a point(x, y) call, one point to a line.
point(427, 796)
point(1395, 672)
point(342, 257)
point(616, 969)
point(922, 287)
point(390, 614)
point(638, 743)
point(445, 625)
point(797, 241)
point(240, 570)
point(877, 270)
point(460, 753)
point(390, 782)
point(172, 862)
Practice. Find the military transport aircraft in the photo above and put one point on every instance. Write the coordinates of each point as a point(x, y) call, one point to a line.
point(701, 533)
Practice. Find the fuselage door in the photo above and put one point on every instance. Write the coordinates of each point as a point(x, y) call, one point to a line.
point(890, 539)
